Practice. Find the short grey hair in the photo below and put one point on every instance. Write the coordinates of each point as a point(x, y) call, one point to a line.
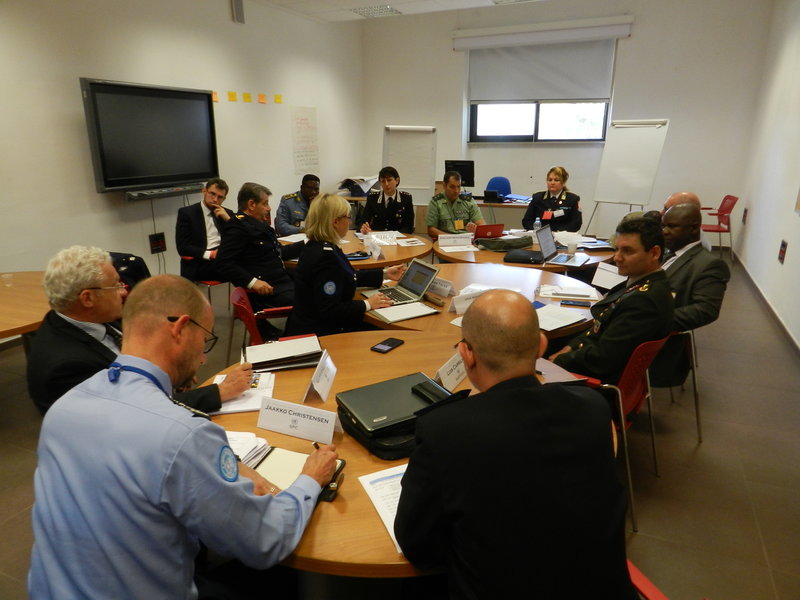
point(72, 270)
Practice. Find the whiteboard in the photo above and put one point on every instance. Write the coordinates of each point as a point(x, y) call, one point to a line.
point(412, 151)
point(628, 168)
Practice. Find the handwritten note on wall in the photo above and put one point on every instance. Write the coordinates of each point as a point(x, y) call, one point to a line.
point(305, 140)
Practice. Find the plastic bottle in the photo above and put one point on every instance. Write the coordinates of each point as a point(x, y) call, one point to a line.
point(537, 224)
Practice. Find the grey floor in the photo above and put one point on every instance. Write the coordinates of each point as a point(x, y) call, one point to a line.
point(722, 522)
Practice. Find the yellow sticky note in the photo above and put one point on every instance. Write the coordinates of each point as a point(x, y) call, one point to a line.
point(214, 97)
point(278, 99)
point(231, 96)
point(262, 98)
point(247, 97)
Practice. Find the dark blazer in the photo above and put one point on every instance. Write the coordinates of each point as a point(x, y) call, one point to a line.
point(325, 283)
point(394, 216)
point(191, 239)
point(567, 201)
point(626, 317)
point(698, 280)
point(62, 356)
point(514, 491)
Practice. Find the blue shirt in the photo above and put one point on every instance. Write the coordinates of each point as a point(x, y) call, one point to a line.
point(127, 486)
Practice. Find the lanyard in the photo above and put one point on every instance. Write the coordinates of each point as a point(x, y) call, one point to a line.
point(113, 376)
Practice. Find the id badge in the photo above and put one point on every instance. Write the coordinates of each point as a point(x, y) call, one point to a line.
point(558, 213)
point(548, 214)
point(458, 223)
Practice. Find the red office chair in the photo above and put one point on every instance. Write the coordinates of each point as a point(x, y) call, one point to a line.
point(243, 310)
point(723, 214)
point(632, 389)
point(209, 283)
point(643, 585)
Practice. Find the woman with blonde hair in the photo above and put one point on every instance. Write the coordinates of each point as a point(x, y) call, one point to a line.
point(325, 282)
point(556, 206)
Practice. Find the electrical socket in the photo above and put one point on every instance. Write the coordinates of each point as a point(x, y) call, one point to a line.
point(158, 243)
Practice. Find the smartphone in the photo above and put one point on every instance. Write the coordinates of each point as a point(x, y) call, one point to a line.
point(582, 303)
point(387, 345)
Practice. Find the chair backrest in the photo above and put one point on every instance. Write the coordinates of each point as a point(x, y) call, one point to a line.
point(633, 383)
point(725, 209)
point(499, 184)
point(243, 310)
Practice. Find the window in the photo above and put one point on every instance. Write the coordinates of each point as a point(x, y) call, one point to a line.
point(571, 121)
point(537, 121)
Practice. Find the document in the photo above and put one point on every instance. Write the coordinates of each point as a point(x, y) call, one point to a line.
point(607, 276)
point(410, 241)
point(553, 317)
point(295, 237)
point(453, 249)
point(383, 489)
point(401, 312)
point(287, 354)
point(250, 400)
point(247, 446)
point(569, 292)
point(282, 467)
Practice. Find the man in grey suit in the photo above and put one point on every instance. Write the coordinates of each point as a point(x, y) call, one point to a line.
point(698, 280)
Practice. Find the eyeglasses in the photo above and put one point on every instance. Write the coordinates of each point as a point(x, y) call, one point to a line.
point(208, 341)
point(117, 287)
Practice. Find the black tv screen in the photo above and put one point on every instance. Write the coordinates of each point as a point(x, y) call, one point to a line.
point(465, 167)
point(148, 137)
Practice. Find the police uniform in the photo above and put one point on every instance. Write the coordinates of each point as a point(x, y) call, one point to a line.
point(250, 250)
point(325, 283)
point(128, 485)
point(452, 218)
point(396, 215)
point(630, 314)
point(291, 216)
point(547, 208)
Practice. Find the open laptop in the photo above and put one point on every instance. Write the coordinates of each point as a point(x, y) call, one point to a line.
point(489, 231)
point(412, 285)
point(550, 255)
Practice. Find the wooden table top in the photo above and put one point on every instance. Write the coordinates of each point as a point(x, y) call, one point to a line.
point(393, 255)
point(24, 303)
point(346, 536)
point(491, 257)
point(464, 274)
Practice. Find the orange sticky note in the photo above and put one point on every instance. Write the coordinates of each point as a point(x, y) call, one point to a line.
point(231, 96)
point(278, 99)
point(214, 97)
point(247, 97)
point(262, 98)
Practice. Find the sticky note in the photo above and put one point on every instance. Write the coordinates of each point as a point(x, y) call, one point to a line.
point(278, 99)
point(262, 98)
point(247, 97)
point(231, 96)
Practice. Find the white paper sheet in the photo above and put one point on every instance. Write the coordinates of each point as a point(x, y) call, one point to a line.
point(383, 489)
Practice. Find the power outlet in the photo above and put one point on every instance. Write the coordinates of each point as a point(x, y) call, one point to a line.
point(157, 243)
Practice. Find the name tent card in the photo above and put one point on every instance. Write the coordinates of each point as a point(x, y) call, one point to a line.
point(455, 239)
point(321, 381)
point(298, 420)
point(452, 373)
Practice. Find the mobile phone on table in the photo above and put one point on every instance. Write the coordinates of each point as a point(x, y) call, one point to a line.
point(582, 303)
point(387, 345)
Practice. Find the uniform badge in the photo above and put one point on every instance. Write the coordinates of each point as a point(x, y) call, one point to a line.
point(644, 287)
point(228, 467)
point(329, 288)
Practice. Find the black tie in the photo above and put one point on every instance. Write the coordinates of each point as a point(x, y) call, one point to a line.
point(114, 335)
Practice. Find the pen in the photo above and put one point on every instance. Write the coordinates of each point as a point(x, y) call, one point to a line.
point(316, 445)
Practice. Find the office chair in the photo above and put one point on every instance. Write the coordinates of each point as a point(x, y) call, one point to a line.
point(499, 184)
point(723, 214)
point(243, 310)
point(643, 585)
point(673, 365)
point(209, 283)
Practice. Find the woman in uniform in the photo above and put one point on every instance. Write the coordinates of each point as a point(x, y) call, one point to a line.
point(325, 282)
point(555, 207)
point(387, 210)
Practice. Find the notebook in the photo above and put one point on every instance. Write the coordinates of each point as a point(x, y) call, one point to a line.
point(412, 285)
point(550, 255)
point(489, 231)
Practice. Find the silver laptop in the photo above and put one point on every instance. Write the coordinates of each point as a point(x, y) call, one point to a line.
point(547, 244)
point(412, 285)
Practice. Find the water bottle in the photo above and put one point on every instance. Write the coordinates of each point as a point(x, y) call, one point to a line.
point(537, 224)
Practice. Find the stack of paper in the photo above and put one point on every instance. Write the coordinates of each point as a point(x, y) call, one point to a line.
point(401, 312)
point(247, 446)
point(383, 489)
point(562, 291)
point(553, 317)
point(287, 354)
point(250, 400)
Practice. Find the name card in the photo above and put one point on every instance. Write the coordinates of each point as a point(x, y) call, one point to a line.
point(321, 381)
point(373, 247)
point(298, 420)
point(452, 373)
point(455, 239)
point(442, 287)
point(461, 303)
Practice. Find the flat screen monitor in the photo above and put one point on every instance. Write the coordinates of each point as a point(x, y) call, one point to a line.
point(145, 137)
point(465, 167)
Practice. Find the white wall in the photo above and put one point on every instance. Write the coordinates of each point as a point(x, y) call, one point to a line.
point(696, 63)
point(773, 175)
point(49, 200)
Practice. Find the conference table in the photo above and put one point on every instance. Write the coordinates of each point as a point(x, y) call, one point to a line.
point(346, 536)
point(392, 255)
point(24, 302)
point(526, 281)
point(491, 257)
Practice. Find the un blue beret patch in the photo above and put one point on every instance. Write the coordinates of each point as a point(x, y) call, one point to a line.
point(228, 467)
point(329, 288)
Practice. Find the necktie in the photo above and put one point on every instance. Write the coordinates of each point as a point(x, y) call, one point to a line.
point(114, 335)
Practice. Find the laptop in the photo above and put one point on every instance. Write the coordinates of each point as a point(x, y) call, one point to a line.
point(492, 196)
point(412, 285)
point(489, 231)
point(550, 255)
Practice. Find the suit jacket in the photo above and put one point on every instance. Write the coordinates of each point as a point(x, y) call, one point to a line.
point(325, 284)
point(698, 280)
point(515, 489)
point(626, 317)
point(567, 201)
point(395, 216)
point(191, 239)
point(251, 249)
point(62, 356)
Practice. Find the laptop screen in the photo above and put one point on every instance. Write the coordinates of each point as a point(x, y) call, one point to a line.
point(547, 242)
point(418, 276)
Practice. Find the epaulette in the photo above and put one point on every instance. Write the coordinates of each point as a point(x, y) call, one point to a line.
point(240, 216)
point(449, 400)
point(290, 196)
point(439, 196)
point(405, 194)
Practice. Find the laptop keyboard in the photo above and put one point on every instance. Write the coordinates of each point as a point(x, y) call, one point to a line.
point(396, 295)
point(561, 259)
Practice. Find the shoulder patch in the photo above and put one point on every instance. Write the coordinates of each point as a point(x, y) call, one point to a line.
point(228, 467)
point(329, 288)
point(289, 196)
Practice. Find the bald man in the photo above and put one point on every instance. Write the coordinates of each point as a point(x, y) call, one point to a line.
point(514, 488)
point(686, 198)
point(697, 279)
